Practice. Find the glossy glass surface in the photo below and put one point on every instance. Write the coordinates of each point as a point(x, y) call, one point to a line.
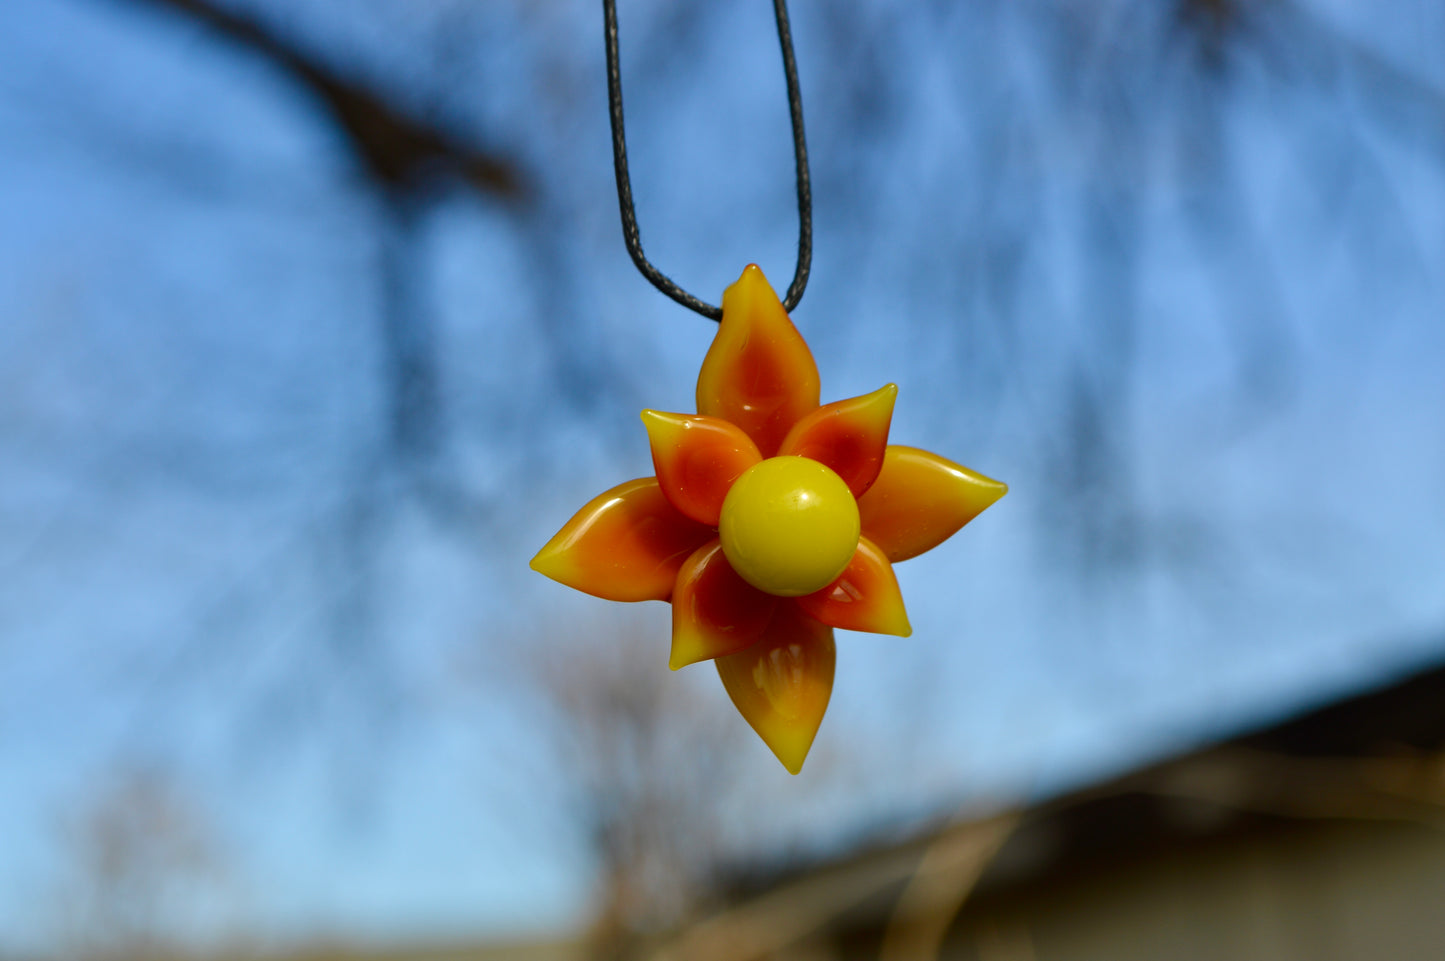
point(865, 597)
point(626, 544)
point(770, 521)
point(789, 526)
point(781, 685)
point(759, 372)
point(850, 436)
point(921, 500)
point(697, 459)
point(714, 611)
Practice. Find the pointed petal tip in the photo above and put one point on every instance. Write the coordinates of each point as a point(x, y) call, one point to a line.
point(659, 425)
point(663, 427)
point(879, 615)
point(752, 282)
point(791, 748)
point(551, 561)
point(990, 491)
point(540, 560)
point(983, 480)
point(882, 400)
point(687, 649)
point(897, 626)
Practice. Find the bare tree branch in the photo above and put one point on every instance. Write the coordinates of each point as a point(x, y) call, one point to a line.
point(398, 149)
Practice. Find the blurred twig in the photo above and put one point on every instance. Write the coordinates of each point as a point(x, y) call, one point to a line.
point(1408, 788)
point(654, 770)
point(1406, 104)
point(940, 886)
point(398, 148)
point(144, 868)
point(937, 885)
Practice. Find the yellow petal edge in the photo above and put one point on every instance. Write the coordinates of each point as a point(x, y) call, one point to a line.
point(921, 500)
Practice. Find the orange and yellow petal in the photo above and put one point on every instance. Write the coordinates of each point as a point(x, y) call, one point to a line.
point(850, 436)
point(758, 373)
point(714, 611)
point(626, 544)
point(697, 459)
point(865, 597)
point(781, 684)
point(920, 500)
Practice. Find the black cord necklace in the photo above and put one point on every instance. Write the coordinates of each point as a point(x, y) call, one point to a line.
point(771, 519)
point(630, 233)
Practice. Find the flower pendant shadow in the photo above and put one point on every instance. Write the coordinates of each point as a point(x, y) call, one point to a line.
point(770, 521)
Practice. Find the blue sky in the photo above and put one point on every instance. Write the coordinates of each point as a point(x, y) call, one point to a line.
point(191, 402)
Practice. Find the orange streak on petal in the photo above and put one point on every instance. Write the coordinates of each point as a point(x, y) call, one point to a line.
point(865, 597)
point(697, 459)
point(626, 544)
point(920, 500)
point(714, 611)
point(849, 436)
point(781, 684)
point(758, 373)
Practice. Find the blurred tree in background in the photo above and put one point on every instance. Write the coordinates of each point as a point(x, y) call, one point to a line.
point(144, 877)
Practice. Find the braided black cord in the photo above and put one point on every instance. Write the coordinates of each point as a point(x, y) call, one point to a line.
point(630, 232)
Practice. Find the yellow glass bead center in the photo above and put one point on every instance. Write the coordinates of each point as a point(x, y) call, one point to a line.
point(789, 526)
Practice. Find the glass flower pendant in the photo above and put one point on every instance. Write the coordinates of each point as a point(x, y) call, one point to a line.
point(769, 522)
